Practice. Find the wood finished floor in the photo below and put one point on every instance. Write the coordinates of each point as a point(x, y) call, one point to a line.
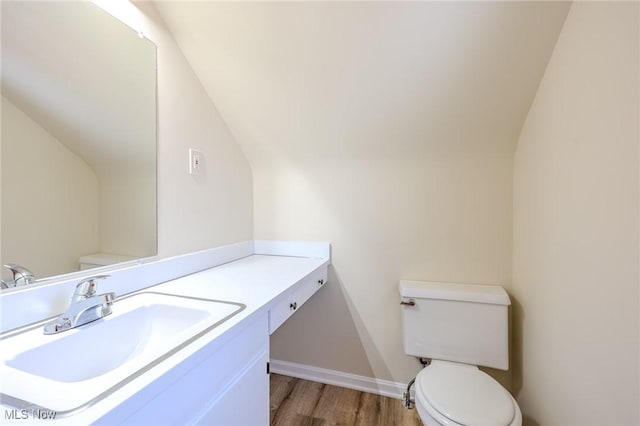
point(297, 402)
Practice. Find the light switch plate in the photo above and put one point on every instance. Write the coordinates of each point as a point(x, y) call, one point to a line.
point(195, 161)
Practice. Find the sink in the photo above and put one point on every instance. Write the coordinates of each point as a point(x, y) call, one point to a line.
point(108, 344)
point(69, 371)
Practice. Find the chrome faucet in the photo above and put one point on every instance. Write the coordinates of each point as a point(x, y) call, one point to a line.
point(21, 276)
point(84, 308)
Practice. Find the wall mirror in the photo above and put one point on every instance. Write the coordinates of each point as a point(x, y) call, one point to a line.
point(78, 146)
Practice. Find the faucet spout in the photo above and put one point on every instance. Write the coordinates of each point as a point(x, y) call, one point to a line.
point(91, 309)
point(85, 307)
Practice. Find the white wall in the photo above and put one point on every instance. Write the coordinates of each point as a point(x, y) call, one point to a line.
point(575, 247)
point(386, 128)
point(438, 218)
point(50, 202)
point(215, 207)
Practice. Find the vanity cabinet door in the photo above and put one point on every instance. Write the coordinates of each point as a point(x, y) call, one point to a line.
point(245, 402)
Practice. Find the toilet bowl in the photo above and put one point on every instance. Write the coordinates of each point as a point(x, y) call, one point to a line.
point(455, 394)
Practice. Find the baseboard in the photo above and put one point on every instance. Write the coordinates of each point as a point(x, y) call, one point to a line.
point(337, 378)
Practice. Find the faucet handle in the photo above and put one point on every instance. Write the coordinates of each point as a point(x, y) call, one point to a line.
point(87, 287)
point(21, 275)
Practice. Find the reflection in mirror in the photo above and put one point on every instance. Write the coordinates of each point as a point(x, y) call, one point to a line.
point(78, 140)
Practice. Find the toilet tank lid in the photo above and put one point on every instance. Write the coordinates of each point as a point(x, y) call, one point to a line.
point(478, 293)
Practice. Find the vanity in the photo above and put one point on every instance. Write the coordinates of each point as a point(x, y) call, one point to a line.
point(194, 345)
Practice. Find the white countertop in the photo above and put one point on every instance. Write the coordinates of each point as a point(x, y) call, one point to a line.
point(255, 281)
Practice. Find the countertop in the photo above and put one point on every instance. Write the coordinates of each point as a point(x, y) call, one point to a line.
point(255, 281)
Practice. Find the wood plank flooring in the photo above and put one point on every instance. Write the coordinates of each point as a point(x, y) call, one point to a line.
point(297, 402)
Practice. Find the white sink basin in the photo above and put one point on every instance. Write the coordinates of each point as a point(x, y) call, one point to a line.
point(73, 369)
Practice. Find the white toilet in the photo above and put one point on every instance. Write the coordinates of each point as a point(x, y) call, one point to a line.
point(458, 327)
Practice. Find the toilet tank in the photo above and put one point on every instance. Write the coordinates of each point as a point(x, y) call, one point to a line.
point(466, 323)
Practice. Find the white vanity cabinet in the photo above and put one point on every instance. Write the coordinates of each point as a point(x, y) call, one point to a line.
point(218, 378)
point(224, 383)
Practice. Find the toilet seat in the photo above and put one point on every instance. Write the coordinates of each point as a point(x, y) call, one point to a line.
point(461, 394)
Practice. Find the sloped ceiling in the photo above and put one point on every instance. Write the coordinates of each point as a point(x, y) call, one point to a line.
point(299, 81)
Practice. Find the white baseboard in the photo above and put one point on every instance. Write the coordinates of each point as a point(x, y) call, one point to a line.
point(337, 378)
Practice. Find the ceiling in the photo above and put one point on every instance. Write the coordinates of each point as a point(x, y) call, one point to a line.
point(306, 81)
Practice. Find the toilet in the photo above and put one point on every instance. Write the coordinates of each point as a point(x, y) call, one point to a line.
point(459, 327)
